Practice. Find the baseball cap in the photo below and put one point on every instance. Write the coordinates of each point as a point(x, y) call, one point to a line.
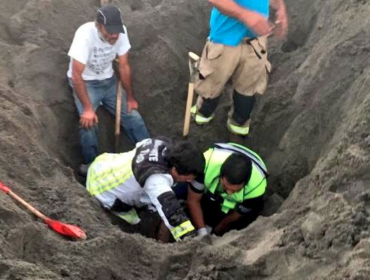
point(110, 17)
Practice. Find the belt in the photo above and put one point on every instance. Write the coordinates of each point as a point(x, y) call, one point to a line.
point(249, 40)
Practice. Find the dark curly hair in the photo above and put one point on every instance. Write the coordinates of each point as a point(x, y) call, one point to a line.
point(186, 158)
point(237, 169)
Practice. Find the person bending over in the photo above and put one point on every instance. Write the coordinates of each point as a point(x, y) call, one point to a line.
point(144, 177)
point(230, 194)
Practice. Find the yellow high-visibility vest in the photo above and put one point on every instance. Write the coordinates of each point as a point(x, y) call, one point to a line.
point(109, 171)
point(256, 185)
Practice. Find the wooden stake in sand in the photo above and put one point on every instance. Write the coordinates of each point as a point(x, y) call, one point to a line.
point(193, 60)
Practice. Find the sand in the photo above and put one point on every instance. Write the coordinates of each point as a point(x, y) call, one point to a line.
point(311, 127)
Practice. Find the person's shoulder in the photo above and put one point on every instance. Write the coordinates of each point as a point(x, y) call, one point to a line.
point(159, 179)
point(164, 139)
point(87, 31)
point(209, 151)
point(86, 28)
point(124, 35)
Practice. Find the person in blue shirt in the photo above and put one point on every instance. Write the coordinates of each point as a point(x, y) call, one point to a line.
point(236, 50)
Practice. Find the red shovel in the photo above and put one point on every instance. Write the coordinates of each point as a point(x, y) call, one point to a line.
point(61, 228)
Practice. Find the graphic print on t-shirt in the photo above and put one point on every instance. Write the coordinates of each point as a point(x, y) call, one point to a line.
point(96, 54)
point(101, 59)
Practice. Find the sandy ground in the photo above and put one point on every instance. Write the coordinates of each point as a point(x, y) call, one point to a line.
point(311, 127)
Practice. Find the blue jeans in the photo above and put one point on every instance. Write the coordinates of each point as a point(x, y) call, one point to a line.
point(104, 92)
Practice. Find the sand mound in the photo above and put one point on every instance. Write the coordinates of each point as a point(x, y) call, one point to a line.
point(311, 126)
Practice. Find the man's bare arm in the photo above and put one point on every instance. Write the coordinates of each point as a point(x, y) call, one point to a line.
point(88, 118)
point(195, 209)
point(277, 4)
point(224, 225)
point(281, 18)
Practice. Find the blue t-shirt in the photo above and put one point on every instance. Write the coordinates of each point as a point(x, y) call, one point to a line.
point(229, 31)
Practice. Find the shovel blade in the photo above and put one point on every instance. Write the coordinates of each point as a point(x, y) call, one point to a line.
point(65, 229)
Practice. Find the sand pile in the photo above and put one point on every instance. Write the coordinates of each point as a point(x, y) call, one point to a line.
point(311, 127)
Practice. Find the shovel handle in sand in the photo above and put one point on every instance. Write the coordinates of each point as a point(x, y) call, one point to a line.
point(71, 231)
point(117, 127)
point(193, 61)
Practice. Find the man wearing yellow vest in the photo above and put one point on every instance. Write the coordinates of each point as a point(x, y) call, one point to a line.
point(230, 196)
point(144, 177)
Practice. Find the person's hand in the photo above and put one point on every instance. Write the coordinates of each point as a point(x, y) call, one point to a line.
point(281, 23)
point(131, 105)
point(202, 231)
point(88, 119)
point(258, 23)
point(218, 231)
point(203, 235)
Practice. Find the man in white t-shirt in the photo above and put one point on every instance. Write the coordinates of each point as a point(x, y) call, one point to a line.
point(91, 75)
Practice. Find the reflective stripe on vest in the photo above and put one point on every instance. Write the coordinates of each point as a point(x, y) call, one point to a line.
point(244, 150)
point(131, 216)
point(109, 171)
point(181, 230)
point(255, 187)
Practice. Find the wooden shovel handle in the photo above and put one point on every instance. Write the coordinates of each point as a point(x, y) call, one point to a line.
point(189, 102)
point(193, 58)
point(28, 206)
point(117, 129)
point(8, 191)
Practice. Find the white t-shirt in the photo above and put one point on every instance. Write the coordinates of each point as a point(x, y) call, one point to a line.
point(97, 55)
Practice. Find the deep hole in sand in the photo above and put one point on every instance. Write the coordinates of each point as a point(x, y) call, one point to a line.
point(150, 220)
point(311, 127)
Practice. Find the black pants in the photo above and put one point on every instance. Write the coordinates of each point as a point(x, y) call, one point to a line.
point(243, 106)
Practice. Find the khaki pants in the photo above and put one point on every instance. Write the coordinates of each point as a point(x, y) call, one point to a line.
point(246, 65)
